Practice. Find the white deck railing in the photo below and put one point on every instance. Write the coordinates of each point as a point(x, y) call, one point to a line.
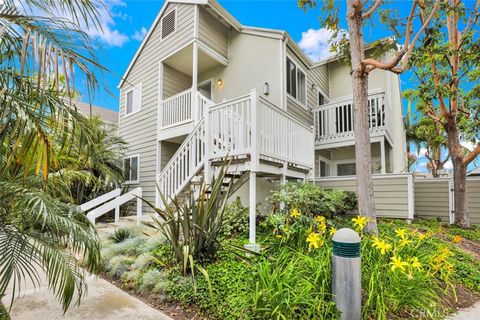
point(176, 110)
point(247, 125)
point(334, 122)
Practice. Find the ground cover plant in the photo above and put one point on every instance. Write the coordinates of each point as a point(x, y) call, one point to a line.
point(408, 271)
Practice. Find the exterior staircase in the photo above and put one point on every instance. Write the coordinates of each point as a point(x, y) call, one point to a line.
point(249, 131)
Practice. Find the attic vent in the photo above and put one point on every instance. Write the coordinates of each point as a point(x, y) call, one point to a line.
point(168, 23)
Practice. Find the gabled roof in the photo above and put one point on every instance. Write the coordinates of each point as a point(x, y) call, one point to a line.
point(230, 20)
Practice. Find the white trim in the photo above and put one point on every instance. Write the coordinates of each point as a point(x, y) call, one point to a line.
point(196, 21)
point(161, 25)
point(282, 76)
point(212, 52)
point(177, 50)
point(259, 32)
point(138, 168)
point(375, 175)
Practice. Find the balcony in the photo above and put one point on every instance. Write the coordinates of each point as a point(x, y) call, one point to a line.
point(178, 114)
point(333, 123)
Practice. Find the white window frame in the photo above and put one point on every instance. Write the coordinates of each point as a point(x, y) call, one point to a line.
point(136, 99)
point(298, 67)
point(327, 161)
point(174, 28)
point(138, 168)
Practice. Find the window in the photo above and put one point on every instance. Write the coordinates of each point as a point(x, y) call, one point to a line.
point(169, 23)
point(131, 165)
point(346, 169)
point(296, 82)
point(133, 100)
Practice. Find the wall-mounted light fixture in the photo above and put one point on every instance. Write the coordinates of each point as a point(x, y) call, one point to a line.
point(313, 86)
point(220, 82)
point(266, 88)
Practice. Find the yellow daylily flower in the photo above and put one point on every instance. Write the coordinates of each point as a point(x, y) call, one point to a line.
point(421, 236)
point(294, 213)
point(402, 233)
point(404, 242)
point(415, 264)
point(360, 222)
point(332, 231)
point(397, 263)
point(314, 240)
point(319, 219)
point(381, 245)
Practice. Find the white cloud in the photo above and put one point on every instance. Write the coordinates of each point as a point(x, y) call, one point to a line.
point(107, 33)
point(316, 42)
point(140, 34)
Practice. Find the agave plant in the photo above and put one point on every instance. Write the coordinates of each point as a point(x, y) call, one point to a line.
point(193, 227)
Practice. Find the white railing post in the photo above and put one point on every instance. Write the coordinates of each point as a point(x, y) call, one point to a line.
point(208, 145)
point(255, 136)
point(139, 208)
point(117, 214)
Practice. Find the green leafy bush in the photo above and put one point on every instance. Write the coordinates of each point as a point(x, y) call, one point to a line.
point(236, 220)
point(312, 201)
point(118, 265)
point(154, 280)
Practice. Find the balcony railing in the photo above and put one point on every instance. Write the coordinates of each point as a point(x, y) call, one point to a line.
point(334, 122)
point(179, 109)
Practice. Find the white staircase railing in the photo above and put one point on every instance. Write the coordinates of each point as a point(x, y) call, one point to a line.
point(110, 201)
point(185, 163)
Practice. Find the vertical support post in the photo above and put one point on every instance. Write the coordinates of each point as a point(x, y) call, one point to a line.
point(451, 202)
point(382, 156)
point(193, 96)
point(411, 197)
point(117, 214)
point(283, 181)
point(254, 136)
point(139, 207)
point(252, 204)
point(346, 274)
point(208, 139)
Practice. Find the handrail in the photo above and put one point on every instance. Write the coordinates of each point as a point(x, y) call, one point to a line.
point(116, 203)
point(284, 113)
point(176, 110)
point(101, 199)
point(176, 95)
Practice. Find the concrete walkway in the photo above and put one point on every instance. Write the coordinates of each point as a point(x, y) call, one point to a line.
point(472, 313)
point(104, 301)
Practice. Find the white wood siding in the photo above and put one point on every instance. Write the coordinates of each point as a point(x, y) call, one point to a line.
point(390, 192)
point(212, 32)
point(139, 129)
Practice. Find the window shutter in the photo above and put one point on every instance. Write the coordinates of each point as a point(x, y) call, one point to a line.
point(168, 23)
point(137, 98)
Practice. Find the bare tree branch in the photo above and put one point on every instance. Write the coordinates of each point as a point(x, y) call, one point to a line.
point(368, 14)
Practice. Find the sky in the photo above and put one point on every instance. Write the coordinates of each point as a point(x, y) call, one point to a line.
point(126, 22)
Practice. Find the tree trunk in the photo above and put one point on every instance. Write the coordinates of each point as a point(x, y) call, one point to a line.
point(462, 217)
point(363, 163)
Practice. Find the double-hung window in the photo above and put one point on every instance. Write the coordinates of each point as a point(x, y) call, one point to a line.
point(131, 166)
point(133, 100)
point(296, 82)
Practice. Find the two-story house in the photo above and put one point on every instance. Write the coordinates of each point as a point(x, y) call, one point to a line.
point(202, 86)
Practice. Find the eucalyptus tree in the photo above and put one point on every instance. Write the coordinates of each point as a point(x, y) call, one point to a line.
point(40, 42)
point(447, 72)
point(352, 49)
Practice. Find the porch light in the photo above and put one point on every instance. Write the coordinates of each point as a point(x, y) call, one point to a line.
point(220, 82)
point(266, 88)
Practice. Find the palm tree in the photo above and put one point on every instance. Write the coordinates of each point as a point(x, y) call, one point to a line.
point(37, 229)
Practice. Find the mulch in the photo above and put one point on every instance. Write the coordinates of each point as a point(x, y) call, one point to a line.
point(465, 298)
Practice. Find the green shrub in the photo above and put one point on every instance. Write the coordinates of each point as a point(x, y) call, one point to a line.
point(154, 280)
point(144, 261)
point(120, 235)
point(312, 201)
point(236, 220)
point(118, 265)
